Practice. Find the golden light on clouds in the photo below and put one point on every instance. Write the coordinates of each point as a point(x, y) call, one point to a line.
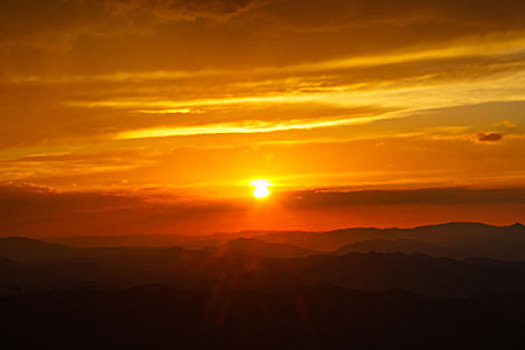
point(247, 127)
point(195, 97)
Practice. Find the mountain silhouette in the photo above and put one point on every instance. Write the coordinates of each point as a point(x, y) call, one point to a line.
point(466, 239)
point(238, 267)
point(407, 246)
point(461, 239)
point(32, 250)
point(252, 246)
point(399, 288)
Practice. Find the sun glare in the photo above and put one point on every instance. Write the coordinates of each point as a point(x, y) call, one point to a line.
point(261, 188)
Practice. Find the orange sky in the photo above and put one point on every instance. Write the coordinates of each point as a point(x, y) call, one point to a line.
point(148, 116)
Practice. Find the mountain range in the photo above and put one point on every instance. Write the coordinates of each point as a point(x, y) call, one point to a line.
point(463, 263)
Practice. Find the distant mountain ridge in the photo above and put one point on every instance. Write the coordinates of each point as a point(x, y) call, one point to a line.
point(261, 248)
point(455, 239)
point(406, 246)
point(467, 239)
point(250, 264)
point(32, 250)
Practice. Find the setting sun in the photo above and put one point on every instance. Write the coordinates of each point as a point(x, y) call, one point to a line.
point(261, 188)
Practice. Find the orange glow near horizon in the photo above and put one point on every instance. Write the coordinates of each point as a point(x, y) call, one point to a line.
point(166, 109)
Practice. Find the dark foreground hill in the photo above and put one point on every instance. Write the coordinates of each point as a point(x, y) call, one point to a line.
point(314, 317)
point(255, 294)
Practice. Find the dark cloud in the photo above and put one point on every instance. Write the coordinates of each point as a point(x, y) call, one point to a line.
point(41, 211)
point(83, 37)
point(196, 9)
point(37, 16)
point(334, 14)
point(488, 136)
point(27, 209)
point(330, 198)
point(30, 15)
point(21, 17)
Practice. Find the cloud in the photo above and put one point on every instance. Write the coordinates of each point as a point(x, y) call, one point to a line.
point(488, 136)
point(31, 209)
point(506, 123)
point(321, 199)
point(39, 211)
point(219, 10)
point(25, 16)
point(94, 78)
point(318, 15)
point(247, 127)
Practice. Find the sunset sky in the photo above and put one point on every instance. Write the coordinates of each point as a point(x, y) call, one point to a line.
point(153, 116)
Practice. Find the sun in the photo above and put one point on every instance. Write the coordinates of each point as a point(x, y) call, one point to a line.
point(261, 188)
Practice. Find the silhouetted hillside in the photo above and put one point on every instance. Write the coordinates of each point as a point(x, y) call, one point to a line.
point(460, 239)
point(466, 239)
point(253, 293)
point(26, 249)
point(158, 317)
point(418, 273)
point(251, 246)
point(241, 265)
point(407, 246)
point(146, 240)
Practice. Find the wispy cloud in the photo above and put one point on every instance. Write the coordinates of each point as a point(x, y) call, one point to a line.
point(169, 111)
point(494, 45)
point(506, 123)
point(244, 128)
point(397, 95)
point(255, 84)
